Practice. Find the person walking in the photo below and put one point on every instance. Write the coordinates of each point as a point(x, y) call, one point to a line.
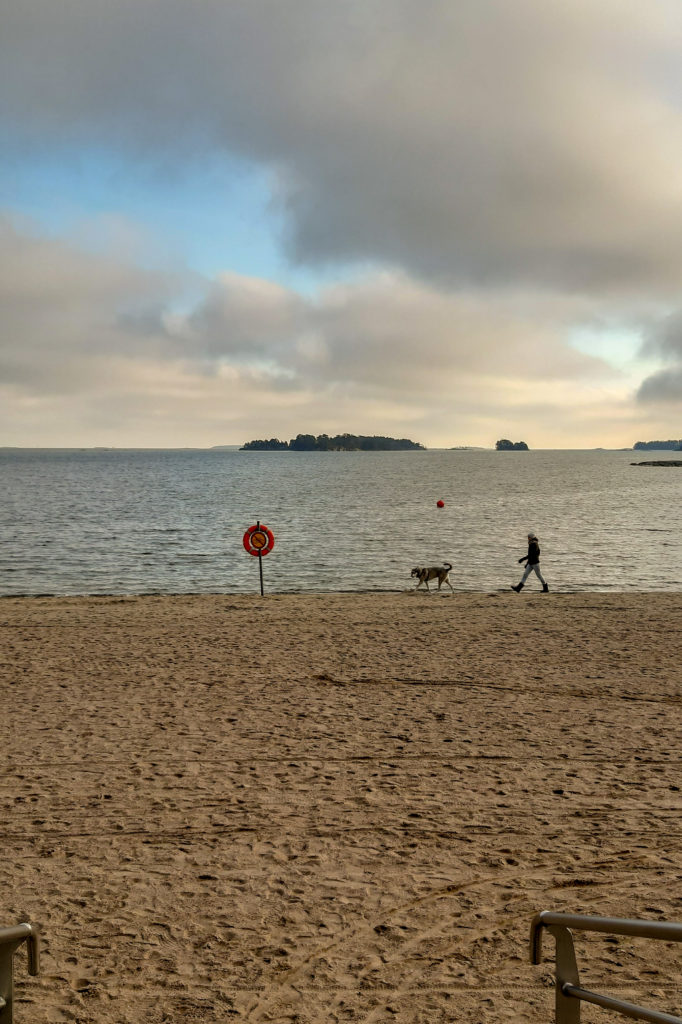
point(532, 560)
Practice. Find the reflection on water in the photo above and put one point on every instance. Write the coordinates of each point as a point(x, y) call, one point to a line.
point(124, 522)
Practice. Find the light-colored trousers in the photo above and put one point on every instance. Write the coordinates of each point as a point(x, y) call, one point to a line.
point(528, 570)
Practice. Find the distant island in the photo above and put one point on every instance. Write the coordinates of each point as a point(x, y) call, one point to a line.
point(338, 443)
point(511, 446)
point(668, 462)
point(675, 446)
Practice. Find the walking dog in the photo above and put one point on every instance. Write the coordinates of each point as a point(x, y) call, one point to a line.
point(435, 572)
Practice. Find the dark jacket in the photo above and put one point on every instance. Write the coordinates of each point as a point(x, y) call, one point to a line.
point(533, 556)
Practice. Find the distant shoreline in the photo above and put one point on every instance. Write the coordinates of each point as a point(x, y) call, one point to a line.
point(230, 448)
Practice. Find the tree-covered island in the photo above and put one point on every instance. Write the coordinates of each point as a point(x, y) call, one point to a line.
point(338, 443)
point(673, 445)
point(504, 445)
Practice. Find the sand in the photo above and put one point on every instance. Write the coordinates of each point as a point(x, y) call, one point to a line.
point(337, 807)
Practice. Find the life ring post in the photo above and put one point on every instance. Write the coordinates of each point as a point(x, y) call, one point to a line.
point(260, 564)
point(259, 540)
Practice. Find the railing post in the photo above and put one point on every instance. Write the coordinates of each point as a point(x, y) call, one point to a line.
point(567, 1007)
point(10, 939)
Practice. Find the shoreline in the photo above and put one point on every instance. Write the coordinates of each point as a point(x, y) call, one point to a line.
point(529, 591)
point(337, 806)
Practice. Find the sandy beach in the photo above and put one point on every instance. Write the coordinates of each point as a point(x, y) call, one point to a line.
point(337, 807)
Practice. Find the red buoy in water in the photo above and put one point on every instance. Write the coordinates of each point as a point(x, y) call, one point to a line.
point(440, 504)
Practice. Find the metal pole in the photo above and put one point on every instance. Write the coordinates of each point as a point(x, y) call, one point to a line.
point(10, 939)
point(260, 564)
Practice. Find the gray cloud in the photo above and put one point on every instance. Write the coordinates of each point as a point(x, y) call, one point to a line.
point(244, 319)
point(526, 143)
point(664, 386)
point(62, 310)
point(663, 339)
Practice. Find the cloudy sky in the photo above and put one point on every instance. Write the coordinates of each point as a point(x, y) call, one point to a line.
point(451, 220)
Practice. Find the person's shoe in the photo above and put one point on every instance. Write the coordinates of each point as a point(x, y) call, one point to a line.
point(518, 588)
point(545, 588)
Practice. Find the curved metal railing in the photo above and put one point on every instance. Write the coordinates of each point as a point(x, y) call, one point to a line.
point(10, 940)
point(569, 992)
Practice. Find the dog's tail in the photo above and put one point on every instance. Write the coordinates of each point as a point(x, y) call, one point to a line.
point(446, 565)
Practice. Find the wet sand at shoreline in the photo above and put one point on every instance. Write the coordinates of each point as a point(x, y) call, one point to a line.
point(347, 807)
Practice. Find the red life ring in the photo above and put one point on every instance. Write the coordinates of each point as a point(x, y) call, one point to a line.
point(259, 540)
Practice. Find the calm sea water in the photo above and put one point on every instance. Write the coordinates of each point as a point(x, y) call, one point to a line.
point(139, 522)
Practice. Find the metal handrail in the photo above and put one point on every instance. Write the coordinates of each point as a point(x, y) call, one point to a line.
point(569, 992)
point(10, 939)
